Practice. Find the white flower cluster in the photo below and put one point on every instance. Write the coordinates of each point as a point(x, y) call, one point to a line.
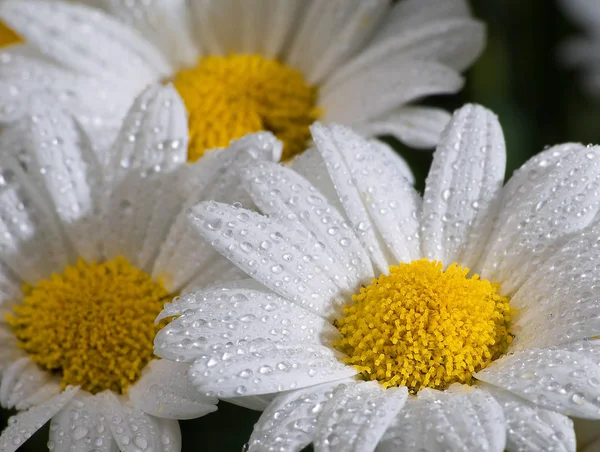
point(139, 287)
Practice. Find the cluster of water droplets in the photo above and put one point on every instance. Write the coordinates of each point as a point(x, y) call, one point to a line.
point(80, 424)
point(464, 180)
point(565, 379)
point(528, 424)
point(297, 204)
point(23, 425)
point(284, 259)
point(357, 416)
point(458, 419)
point(30, 239)
point(247, 341)
point(545, 204)
point(290, 422)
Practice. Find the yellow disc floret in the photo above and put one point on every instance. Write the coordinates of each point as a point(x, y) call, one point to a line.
point(93, 324)
point(421, 326)
point(229, 96)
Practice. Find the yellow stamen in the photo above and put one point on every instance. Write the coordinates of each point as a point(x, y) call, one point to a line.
point(8, 37)
point(93, 324)
point(228, 97)
point(421, 326)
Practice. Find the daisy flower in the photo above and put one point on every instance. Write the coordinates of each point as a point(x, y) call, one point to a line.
point(584, 51)
point(464, 319)
point(245, 66)
point(88, 257)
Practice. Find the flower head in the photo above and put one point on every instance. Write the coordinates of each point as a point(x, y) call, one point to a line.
point(89, 254)
point(457, 320)
point(246, 67)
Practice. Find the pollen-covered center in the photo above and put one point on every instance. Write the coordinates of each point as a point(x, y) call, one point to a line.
point(229, 96)
point(7, 36)
point(93, 324)
point(423, 326)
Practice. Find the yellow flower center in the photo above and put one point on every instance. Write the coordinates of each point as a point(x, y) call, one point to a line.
point(228, 97)
point(421, 326)
point(93, 324)
point(8, 37)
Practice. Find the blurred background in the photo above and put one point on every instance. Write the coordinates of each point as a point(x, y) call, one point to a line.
point(539, 103)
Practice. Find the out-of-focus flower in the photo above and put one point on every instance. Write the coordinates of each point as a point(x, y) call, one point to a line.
point(245, 66)
point(353, 274)
point(584, 51)
point(88, 257)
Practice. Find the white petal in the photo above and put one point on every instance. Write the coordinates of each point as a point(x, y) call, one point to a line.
point(250, 26)
point(461, 418)
point(79, 426)
point(44, 393)
point(184, 256)
point(33, 244)
point(373, 92)
point(26, 75)
point(282, 259)
point(387, 153)
point(163, 23)
point(549, 378)
point(289, 422)
point(547, 204)
point(21, 381)
point(213, 177)
point(309, 164)
point(418, 127)
point(357, 416)
point(454, 42)
point(60, 162)
point(191, 300)
point(530, 428)
point(10, 376)
point(10, 286)
point(222, 316)
point(132, 429)
point(278, 21)
point(418, 14)
point(348, 194)
point(261, 367)
point(213, 36)
point(139, 215)
point(164, 391)
point(62, 31)
point(23, 425)
point(559, 301)
point(279, 191)
point(154, 135)
point(375, 193)
point(219, 26)
point(463, 186)
point(220, 270)
point(150, 153)
point(170, 435)
point(331, 32)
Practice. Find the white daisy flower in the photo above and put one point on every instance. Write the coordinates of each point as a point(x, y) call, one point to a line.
point(245, 66)
point(88, 258)
point(470, 312)
point(584, 51)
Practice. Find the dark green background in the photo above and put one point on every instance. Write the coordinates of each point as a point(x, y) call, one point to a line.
point(539, 104)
